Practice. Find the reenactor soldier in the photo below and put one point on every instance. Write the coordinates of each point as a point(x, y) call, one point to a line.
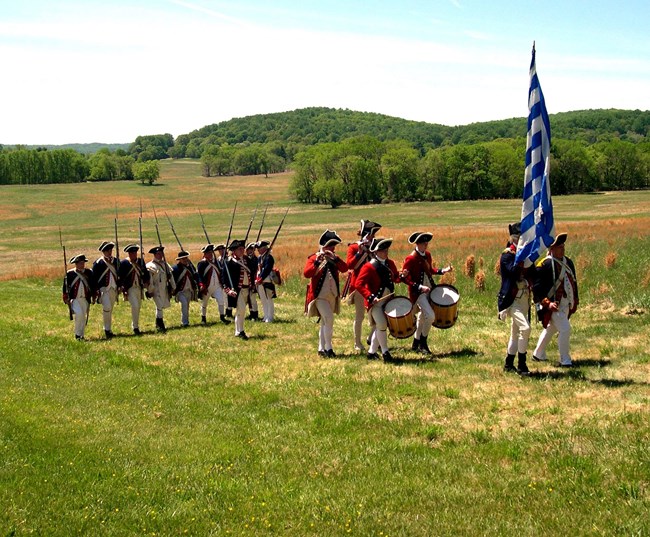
point(263, 282)
point(514, 301)
point(252, 263)
point(133, 279)
point(358, 254)
point(417, 273)
point(220, 258)
point(323, 297)
point(78, 292)
point(161, 284)
point(186, 285)
point(105, 278)
point(237, 282)
point(209, 279)
point(376, 280)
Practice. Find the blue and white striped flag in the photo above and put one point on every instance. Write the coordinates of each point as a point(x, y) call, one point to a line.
point(537, 226)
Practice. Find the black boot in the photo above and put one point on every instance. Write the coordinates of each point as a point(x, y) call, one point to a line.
point(204, 319)
point(509, 366)
point(424, 348)
point(137, 332)
point(160, 325)
point(223, 319)
point(416, 345)
point(229, 312)
point(255, 316)
point(522, 368)
point(387, 357)
point(108, 334)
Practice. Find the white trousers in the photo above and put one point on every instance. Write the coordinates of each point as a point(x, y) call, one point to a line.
point(134, 296)
point(359, 316)
point(80, 311)
point(326, 328)
point(520, 327)
point(240, 312)
point(560, 325)
point(425, 316)
point(268, 307)
point(107, 299)
point(184, 298)
point(219, 296)
point(379, 336)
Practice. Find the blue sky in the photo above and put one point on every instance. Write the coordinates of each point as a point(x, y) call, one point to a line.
point(89, 71)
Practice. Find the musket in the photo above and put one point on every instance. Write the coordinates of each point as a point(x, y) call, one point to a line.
point(225, 260)
point(141, 248)
point(117, 253)
point(169, 285)
point(250, 224)
point(279, 228)
point(259, 233)
point(65, 275)
point(178, 240)
point(205, 231)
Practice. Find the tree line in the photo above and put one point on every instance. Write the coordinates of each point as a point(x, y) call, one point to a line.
point(367, 170)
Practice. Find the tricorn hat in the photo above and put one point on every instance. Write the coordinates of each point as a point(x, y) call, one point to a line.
point(182, 255)
point(77, 258)
point(560, 239)
point(236, 244)
point(368, 227)
point(156, 249)
point(219, 246)
point(251, 245)
point(262, 244)
point(328, 238)
point(106, 245)
point(380, 243)
point(208, 248)
point(420, 236)
point(131, 248)
point(514, 228)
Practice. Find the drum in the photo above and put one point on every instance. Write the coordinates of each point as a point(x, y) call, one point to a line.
point(400, 316)
point(444, 300)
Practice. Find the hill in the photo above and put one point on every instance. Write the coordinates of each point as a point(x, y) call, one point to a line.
point(84, 149)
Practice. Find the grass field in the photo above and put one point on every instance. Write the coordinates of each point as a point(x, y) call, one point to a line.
point(197, 433)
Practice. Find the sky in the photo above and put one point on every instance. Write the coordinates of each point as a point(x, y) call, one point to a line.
point(84, 71)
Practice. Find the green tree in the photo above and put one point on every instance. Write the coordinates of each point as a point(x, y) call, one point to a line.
point(147, 172)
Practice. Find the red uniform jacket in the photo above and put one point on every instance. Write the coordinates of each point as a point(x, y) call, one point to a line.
point(357, 257)
point(317, 276)
point(374, 278)
point(414, 268)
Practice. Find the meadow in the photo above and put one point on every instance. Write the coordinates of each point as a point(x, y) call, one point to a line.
point(195, 432)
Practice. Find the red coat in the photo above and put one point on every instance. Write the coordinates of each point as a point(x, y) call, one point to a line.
point(357, 255)
point(370, 283)
point(414, 268)
point(317, 276)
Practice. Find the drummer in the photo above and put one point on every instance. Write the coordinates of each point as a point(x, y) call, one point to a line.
point(376, 280)
point(417, 273)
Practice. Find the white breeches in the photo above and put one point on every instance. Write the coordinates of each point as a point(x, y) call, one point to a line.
point(326, 328)
point(268, 307)
point(107, 299)
point(80, 310)
point(220, 297)
point(134, 296)
point(520, 327)
point(379, 336)
point(240, 313)
point(559, 324)
point(425, 316)
point(185, 298)
point(359, 316)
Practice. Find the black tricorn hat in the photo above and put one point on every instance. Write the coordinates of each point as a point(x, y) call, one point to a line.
point(208, 248)
point(420, 236)
point(77, 258)
point(106, 245)
point(157, 249)
point(560, 239)
point(236, 244)
point(182, 255)
point(131, 248)
point(328, 238)
point(251, 246)
point(368, 227)
point(380, 243)
point(219, 246)
point(262, 244)
point(514, 228)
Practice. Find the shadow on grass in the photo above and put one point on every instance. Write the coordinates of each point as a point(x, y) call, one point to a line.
point(413, 358)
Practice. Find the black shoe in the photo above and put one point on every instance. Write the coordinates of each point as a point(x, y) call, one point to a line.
point(136, 331)
point(322, 353)
point(80, 338)
point(424, 348)
point(229, 312)
point(416, 345)
point(109, 334)
point(510, 369)
point(368, 340)
point(522, 368)
point(223, 319)
point(387, 357)
point(242, 335)
point(372, 356)
point(204, 319)
point(160, 326)
point(509, 366)
point(330, 353)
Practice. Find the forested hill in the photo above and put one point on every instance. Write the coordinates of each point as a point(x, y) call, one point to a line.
point(84, 149)
point(310, 126)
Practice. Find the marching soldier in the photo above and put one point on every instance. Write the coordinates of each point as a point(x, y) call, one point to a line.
point(221, 257)
point(417, 273)
point(133, 279)
point(555, 292)
point(186, 286)
point(323, 297)
point(252, 263)
point(105, 278)
point(208, 276)
point(263, 283)
point(161, 284)
point(78, 292)
point(358, 254)
point(237, 282)
point(514, 301)
point(376, 280)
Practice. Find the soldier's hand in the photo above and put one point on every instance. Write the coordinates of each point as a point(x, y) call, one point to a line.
point(231, 293)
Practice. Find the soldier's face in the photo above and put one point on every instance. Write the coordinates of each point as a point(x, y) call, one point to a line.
point(158, 255)
point(108, 252)
point(80, 265)
point(133, 255)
